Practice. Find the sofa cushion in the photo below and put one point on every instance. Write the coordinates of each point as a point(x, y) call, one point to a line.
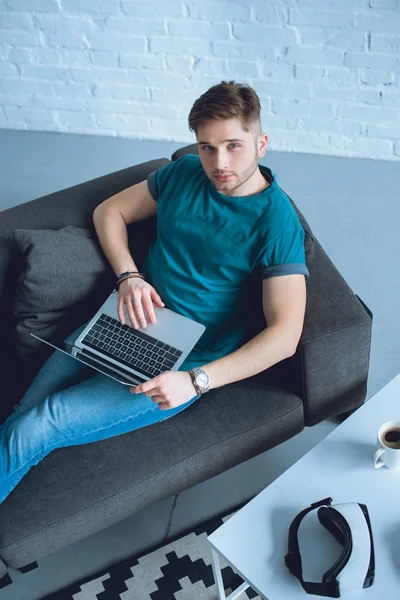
point(66, 278)
point(80, 490)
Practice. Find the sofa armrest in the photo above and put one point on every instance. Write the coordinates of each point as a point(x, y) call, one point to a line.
point(334, 349)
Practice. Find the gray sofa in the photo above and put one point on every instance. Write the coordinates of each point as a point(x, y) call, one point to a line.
point(80, 490)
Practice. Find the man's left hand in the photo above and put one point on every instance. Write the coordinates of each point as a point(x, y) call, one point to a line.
point(170, 389)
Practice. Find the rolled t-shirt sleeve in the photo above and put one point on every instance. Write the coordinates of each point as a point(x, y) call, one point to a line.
point(151, 182)
point(285, 255)
point(158, 180)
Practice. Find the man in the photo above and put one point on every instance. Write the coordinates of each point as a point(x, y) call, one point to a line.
point(229, 149)
point(220, 216)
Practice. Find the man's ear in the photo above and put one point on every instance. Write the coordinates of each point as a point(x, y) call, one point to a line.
point(262, 144)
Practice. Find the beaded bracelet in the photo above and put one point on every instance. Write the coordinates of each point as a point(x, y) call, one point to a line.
point(128, 273)
point(130, 276)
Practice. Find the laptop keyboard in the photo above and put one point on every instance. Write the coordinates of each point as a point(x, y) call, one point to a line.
point(131, 347)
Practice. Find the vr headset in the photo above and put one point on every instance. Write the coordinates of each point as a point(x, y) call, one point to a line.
point(354, 570)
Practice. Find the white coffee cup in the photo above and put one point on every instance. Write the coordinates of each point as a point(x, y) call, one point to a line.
point(388, 452)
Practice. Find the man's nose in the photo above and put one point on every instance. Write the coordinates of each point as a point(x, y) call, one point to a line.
point(221, 163)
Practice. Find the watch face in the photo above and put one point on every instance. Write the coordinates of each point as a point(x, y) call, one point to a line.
point(202, 379)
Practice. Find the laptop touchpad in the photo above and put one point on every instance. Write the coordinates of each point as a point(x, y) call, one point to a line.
point(165, 322)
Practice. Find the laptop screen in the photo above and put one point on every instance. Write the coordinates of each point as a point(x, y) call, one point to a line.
point(96, 362)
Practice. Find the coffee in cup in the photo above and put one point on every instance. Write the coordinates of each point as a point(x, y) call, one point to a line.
point(391, 438)
point(388, 452)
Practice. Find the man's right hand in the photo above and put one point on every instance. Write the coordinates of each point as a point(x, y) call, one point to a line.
point(136, 295)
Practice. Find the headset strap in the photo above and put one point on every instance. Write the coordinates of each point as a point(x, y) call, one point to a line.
point(293, 558)
point(357, 542)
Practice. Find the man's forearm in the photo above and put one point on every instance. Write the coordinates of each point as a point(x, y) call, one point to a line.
point(264, 350)
point(113, 237)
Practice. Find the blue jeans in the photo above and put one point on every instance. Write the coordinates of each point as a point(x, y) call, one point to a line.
point(69, 404)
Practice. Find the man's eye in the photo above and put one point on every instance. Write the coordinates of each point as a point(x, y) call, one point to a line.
point(207, 147)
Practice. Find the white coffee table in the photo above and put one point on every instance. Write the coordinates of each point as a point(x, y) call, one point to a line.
point(254, 541)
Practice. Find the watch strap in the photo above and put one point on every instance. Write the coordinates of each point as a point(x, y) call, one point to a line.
point(196, 387)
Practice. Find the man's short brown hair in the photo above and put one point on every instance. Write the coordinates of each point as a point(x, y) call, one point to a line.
point(228, 100)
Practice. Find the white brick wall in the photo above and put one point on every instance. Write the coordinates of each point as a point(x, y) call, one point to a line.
point(327, 71)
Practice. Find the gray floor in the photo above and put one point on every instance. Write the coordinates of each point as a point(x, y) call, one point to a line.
point(353, 207)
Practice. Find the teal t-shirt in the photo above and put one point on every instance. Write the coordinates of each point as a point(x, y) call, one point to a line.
point(208, 244)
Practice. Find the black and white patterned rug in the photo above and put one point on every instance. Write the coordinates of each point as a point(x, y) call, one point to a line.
point(179, 570)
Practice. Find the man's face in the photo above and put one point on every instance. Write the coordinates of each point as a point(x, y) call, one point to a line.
point(226, 149)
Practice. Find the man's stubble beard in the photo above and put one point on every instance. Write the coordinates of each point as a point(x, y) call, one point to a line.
point(249, 172)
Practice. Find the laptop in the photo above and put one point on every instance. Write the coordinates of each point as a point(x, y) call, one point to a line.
point(132, 356)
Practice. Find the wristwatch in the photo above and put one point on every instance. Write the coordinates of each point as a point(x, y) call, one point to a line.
point(200, 380)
